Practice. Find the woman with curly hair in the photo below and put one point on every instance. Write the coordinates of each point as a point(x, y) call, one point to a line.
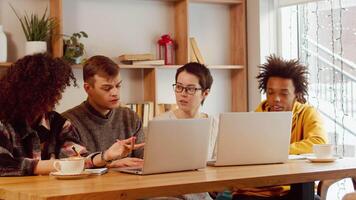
point(32, 135)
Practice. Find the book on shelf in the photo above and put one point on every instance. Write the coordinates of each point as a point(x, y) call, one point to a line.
point(196, 52)
point(192, 56)
point(148, 62)
point(135, 57)
point(139, 110)
point(144, 110)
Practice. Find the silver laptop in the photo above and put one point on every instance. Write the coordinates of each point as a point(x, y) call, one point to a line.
point(253, 138)
point(174, 145)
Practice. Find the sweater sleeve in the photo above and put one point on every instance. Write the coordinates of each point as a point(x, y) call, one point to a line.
point(70, 141)
point(313, 132)
point(138, 153)
point(11, 165)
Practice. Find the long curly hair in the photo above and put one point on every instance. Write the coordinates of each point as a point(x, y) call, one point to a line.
point(32, 86)
point(289, 69)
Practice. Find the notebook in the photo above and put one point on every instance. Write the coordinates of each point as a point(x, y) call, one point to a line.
point(253, 138)
point(174, 145)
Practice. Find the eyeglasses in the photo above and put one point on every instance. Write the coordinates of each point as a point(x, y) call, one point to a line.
point(189, 90)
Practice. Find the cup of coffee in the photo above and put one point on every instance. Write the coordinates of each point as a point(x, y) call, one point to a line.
point(70, 166)
point(323, 150)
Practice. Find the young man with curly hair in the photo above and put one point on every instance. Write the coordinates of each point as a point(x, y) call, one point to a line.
point(286, 84)
point(32, 135)
point(100, 119)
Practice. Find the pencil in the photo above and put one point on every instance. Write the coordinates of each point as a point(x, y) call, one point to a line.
point(133, 143)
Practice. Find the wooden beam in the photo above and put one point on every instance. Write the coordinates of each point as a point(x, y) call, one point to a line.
point(56, 12)
point(219, 1)
point(238, 56)
point(149, 86)
point(181, 31)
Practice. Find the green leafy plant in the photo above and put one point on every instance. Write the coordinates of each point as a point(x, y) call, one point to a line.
point(73, 48)
point(36, 28)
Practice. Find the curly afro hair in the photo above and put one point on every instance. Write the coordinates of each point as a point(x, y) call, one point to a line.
point(289, 69)
point(32, 86)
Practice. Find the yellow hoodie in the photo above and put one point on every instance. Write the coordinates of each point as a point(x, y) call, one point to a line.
point(307, 130)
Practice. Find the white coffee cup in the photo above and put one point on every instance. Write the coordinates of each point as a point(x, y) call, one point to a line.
point(323, 150)
point(70, 165)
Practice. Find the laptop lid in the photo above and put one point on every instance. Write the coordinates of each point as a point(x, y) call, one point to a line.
point(253, 138)
point(176, 145)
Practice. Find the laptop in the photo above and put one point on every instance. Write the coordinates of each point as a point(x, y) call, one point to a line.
point(174, 145)
point(248, 138)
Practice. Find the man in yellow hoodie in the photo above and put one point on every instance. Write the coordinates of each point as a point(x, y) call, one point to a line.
point(285, 83)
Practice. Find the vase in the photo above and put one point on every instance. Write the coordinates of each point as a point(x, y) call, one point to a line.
point(33, 47)
point(78, 60)
point(3, 46)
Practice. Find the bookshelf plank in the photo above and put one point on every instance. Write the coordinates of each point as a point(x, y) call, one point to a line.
point(219, 1)
point(149, 92)
point(181, 35)
point(170, 66)
point(226, 67)
point(211, 1)
point(239, 93)
point(178, 66)
point(56, 11)
point(6, 64)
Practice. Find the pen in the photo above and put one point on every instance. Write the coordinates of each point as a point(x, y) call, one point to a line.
point(133, 140)
point(73, 147)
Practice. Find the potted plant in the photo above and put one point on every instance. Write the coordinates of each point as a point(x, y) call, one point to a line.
point(37, 30)
point(73, 48)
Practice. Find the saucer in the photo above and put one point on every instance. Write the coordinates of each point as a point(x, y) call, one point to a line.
point(321, 160)
point(60, 175)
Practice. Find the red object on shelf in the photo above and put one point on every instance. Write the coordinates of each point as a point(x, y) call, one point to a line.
point(166, 49)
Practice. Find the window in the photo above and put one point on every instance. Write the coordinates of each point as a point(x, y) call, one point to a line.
point(322, 35)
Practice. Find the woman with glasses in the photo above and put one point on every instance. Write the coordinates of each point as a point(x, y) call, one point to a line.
point(192, 86)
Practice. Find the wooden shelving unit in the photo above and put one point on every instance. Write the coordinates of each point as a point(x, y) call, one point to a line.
point(219, 1)
point(5, 65)
point(170, 66)
point(237, 63)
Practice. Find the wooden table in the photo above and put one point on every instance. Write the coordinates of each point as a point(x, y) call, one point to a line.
point(115, 185)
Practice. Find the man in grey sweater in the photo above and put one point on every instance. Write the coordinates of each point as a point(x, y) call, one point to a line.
point(100, 120)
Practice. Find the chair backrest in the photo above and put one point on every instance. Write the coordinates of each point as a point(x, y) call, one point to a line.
point(345, 150)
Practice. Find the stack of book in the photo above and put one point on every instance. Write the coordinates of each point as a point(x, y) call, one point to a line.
point(140, 59)
point(145, 110)
point(195, 55)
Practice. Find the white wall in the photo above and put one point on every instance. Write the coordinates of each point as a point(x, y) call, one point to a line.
point(118, 27)
point(115, 28)
point(261, 41)
point(210, 26)
point(253, 51)
point(133, 26)
point(12, 27)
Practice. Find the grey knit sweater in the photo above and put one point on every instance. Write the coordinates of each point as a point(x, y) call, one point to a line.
point(98, 133)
